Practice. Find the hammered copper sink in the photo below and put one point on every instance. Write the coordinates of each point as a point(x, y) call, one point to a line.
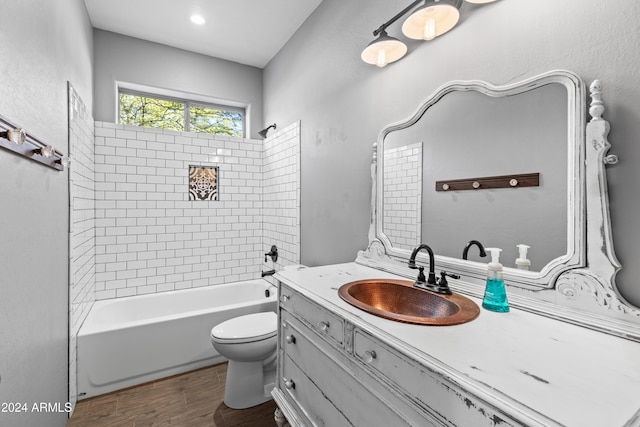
point(399, 300)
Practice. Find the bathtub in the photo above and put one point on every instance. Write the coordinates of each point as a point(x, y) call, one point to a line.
point(129, 341)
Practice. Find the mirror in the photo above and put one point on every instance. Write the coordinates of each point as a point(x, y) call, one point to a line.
point(470, 134)
point(564, 214)
point(470, 130)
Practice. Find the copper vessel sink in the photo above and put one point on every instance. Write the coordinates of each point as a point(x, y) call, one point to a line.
point(399, 300)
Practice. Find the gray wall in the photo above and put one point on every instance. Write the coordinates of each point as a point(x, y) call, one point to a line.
point(343, 103)
point(131, 60)
point(42, 46)
point(468, 134)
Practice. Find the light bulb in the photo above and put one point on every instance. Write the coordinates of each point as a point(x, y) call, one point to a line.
point(18, 136)
point(383, 50)
point(430, 28)
point(382, 58)
point(197, 19)
point(431, 21)
point(47, 151)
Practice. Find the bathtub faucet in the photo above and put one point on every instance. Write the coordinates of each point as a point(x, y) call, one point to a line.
point(273, 253)
point(268, 273)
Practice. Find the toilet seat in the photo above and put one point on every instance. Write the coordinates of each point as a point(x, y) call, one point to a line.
point(247, 328)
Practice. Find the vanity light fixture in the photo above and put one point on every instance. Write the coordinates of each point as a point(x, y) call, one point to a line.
point(16, 140)
point(383, 50)
point(386, 49)
point(432, 19)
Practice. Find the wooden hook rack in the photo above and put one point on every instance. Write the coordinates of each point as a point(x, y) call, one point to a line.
point(490, 182)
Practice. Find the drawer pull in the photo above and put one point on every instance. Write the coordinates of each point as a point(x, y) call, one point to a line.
point(290, 339)
point(324, 326)
point(368, 356)
point(284, 298)
point(289, 384)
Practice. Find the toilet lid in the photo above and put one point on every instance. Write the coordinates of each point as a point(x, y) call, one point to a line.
point(250, 327)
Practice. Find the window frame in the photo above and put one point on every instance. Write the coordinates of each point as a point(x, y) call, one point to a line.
point(187, 102)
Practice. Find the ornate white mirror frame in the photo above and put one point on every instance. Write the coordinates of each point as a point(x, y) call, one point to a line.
point(578, 287)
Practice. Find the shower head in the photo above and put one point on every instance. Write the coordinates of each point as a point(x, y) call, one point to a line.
point(263, 132)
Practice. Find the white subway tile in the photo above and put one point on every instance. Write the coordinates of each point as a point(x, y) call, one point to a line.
point(188, 243)
point(121, 293)
point(125, 134)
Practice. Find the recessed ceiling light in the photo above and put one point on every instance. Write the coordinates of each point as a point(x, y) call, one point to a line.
point(197, 19)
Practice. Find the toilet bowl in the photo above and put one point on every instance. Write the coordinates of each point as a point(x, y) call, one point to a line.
point(249, 343)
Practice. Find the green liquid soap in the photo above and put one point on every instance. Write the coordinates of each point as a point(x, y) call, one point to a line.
point(495, 297)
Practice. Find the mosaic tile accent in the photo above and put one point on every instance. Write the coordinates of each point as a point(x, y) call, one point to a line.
point(203, 182)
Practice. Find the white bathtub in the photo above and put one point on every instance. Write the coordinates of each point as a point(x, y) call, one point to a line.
point(128, 341)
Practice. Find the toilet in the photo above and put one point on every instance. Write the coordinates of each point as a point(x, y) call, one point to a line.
point(249, 343)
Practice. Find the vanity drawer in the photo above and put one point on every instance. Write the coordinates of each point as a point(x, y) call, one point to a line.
point(314, 375)
point(318, 318)
point(315, 405)
point(430, 391)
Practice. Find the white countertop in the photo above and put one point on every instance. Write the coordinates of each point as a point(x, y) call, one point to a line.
point(537, 366)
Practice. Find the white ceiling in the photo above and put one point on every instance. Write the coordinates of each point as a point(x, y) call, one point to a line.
point(246, 31)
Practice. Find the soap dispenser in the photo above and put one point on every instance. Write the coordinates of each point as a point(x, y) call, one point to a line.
point(495, 296)
point(522, 263)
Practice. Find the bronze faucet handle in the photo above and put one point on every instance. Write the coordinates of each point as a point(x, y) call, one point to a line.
point(420, 279)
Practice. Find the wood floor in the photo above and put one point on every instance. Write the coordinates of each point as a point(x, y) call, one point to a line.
point(193, 399)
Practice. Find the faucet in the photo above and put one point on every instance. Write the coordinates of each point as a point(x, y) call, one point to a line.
point(431, 284)
point(471, 243)
point(412, 264)
point(273, 254)
point(268, 273)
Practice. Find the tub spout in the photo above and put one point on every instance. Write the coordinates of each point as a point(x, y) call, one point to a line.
point(268, 273)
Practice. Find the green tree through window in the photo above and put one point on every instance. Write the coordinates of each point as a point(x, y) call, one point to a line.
point(151, 112)
point(181, 115)
point(219, 122)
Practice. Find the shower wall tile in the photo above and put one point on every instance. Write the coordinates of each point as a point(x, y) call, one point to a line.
point(281, 196)
point(82, 223)
point(149, 236)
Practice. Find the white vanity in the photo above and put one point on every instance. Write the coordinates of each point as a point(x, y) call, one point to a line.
point(502, 369)
point(567, 354)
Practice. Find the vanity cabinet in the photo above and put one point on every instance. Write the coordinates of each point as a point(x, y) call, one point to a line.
point(334, 373)
point(340, 366)
point(567, 353)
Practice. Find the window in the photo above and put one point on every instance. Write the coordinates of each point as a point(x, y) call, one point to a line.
point(144, 109)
